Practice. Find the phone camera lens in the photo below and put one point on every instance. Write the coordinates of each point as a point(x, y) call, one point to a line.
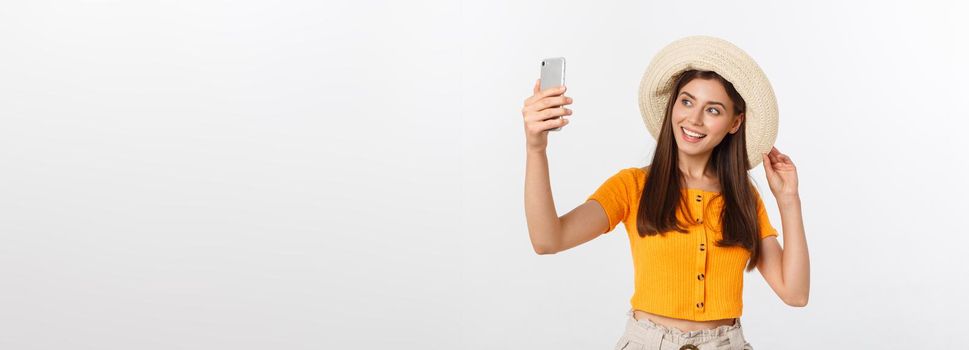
point(543, 63)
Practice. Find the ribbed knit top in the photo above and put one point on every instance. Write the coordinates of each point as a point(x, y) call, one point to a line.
point(680, 275)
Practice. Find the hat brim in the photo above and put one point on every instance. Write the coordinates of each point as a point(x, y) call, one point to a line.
point(729, 61)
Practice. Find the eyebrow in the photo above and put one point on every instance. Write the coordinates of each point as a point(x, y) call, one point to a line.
point(711, 102)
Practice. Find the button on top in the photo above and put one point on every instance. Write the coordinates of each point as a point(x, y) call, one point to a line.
point(698, 197)
point(699, 277)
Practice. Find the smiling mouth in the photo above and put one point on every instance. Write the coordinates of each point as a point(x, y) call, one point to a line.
point(692, 134)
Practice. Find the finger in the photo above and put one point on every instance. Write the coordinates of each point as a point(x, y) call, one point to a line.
point(549, 102)
point(555, 90)
point(552, 113)
point(773, 157)
point(553, 123)
point(780, 158)
point(768, 167)
point(546, 114)
point(783, 159)
point(787, 160)
point(535, 89)
point(784, 167)
point(552, 91)
point(772, 153)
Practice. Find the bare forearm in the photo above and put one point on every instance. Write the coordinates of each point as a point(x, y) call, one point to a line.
point(796, 264)
point(543, 220)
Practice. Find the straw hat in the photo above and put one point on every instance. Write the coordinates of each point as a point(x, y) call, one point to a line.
point(733, 64)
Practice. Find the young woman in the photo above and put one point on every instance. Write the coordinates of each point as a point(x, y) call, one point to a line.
point(694, 219)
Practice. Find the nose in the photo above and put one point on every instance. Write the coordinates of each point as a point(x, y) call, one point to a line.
point(695, 117)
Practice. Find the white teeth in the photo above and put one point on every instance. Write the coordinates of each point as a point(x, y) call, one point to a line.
point(692, 134)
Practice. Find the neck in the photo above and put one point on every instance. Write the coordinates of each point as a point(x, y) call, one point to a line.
point(695, 166)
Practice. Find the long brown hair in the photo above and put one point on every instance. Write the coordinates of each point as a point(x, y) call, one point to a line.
point(662, 192)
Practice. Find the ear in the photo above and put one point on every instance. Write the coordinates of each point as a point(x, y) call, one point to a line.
point(736, 123)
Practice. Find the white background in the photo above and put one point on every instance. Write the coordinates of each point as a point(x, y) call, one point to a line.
point(323, 175)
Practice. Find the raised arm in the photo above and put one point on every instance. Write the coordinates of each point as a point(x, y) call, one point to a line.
point(787, 270)
point(548, 232)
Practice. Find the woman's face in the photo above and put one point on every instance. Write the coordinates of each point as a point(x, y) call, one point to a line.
point(703, 107)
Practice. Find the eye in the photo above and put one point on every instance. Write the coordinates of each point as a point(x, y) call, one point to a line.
point(687, 102)
point(714, 111)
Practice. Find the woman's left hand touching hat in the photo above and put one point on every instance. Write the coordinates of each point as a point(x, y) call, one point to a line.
point(781, 173)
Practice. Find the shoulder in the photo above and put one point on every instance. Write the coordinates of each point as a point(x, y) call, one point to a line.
point(630, 174)
point(640, 173)
point(636, 171)
point(633, 173)
point(631, 177)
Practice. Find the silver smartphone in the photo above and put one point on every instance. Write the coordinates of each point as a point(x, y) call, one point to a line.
point(553, 74)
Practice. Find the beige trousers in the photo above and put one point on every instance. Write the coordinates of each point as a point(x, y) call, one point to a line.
point(647, 335)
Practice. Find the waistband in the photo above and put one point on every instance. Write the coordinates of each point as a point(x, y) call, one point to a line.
point(646, 331)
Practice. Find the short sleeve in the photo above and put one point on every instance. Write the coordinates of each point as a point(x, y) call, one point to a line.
point(766, 229)
point(613, 195)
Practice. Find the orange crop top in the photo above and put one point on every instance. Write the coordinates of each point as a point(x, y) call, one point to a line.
point(680, 275)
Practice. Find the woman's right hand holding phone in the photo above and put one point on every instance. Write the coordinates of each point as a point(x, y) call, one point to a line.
point(540, 112)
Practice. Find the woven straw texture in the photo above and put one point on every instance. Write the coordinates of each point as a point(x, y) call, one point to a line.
point(712, 54)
